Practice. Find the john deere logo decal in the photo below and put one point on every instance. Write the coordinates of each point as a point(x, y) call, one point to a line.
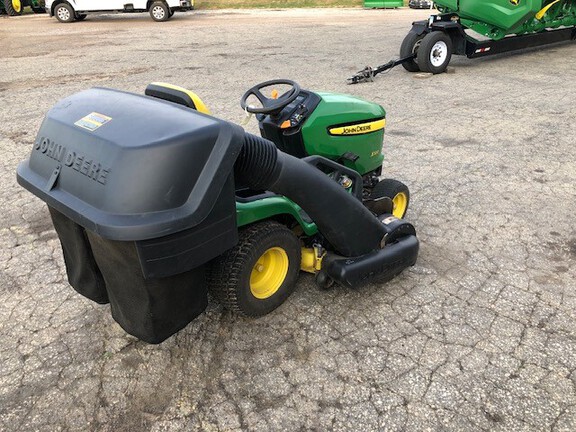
point(358, 129)
point(515, 2)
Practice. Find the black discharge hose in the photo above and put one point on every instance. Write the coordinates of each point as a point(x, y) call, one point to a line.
point(349, 226)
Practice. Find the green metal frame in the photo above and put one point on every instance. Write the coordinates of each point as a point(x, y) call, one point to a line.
point(498, 18)
point(375, 4)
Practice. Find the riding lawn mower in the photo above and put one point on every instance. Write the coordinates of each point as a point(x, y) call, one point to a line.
point(156, 202)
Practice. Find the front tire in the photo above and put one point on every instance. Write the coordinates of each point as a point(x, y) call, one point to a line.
point(395, 190)
point(259, 273)
point(159, 11)
point(13, 7)
point(64, 13)
point(435, 52)
point(410, 45)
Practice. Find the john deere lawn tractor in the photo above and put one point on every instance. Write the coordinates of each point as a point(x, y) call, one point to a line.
point(16, 7)
point(478, 28)
point(156, 202)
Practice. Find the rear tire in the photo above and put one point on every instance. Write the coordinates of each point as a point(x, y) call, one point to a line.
point(159, 11)
point(410, 45)
point(13, 7)
point(435, 52)
point(259, 273)
point(395, 190)
point(64, 13)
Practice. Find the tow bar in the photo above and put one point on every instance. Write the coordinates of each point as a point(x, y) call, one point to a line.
point(368, 73)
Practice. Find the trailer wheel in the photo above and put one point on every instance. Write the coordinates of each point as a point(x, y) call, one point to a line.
point(259, 273)
point(395, 190)
point(159, 11)
point(64, 13)
point(13, 7)
point(435, 52)
point(410, 45)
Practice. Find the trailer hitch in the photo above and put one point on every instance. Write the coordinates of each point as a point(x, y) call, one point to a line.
point(368, 73)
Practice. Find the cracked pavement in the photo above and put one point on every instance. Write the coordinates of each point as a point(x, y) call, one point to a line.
point(478, 336)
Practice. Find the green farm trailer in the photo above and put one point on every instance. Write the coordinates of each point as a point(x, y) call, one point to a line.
point(477, 28)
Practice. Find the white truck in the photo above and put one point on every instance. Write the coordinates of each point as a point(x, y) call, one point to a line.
point(71, 10)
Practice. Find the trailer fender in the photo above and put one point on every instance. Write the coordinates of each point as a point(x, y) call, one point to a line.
point(450, 24)
point(420, 27)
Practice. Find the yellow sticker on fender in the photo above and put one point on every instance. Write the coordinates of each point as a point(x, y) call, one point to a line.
point(93, 121)
point(358, 129)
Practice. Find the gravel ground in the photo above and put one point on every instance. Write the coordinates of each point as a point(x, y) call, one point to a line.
point(479, 335)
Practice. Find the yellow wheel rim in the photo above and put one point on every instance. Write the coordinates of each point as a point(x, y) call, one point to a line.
point(17, 6)
point(400, 204)
point(269, 273)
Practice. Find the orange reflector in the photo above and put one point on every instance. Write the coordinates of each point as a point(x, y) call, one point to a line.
point(285, 124)
point(274, 94)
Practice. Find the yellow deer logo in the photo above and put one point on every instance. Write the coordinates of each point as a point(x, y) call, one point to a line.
point(515, 2)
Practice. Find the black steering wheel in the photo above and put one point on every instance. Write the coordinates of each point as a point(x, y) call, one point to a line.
point(270, 105)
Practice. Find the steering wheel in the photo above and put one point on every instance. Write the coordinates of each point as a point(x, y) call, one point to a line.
point(270, 105)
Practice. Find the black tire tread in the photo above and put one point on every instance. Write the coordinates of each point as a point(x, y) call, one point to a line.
point(10, 9)
point(168, 14)
point(390, 188)
point(70, 9)
point(407, 47)
point(426, 46)
point(224, 274)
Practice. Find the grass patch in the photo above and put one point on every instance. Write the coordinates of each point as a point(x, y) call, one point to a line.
point(274, 4)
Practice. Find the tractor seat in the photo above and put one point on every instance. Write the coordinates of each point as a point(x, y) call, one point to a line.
point(177, 95)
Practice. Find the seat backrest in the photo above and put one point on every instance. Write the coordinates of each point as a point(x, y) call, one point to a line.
point(177, 95)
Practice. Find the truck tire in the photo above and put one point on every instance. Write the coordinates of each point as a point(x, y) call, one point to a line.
point(395, 190)
point(13, 7)
point(159, 11)
point(259, 273)
point(435, 52)
point(64, 13)
point(410, 45)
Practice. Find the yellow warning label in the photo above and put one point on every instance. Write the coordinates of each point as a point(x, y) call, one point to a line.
point(358, 129)
point(93, 121)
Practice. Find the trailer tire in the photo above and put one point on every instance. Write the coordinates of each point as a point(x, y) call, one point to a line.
point(159, 11)
point(435, 52)
point(410, 45)
point(13, 7)
point(259, 273)
point(64, 13)
point(395, 190)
